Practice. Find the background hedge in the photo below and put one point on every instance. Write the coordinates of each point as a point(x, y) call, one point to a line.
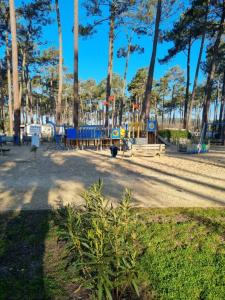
point(173, 134)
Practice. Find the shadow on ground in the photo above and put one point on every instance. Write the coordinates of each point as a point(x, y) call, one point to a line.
point(23, 227)
point(22, 251)
point(26, 185)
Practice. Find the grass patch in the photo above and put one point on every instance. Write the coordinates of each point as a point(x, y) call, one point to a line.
point(186, 253)
point(185, 256)
point(31, 261)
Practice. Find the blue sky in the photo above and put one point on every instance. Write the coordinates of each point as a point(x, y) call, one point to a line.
point(93, 51)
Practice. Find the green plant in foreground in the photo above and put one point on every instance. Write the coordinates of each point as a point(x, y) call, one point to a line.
point(104, 245)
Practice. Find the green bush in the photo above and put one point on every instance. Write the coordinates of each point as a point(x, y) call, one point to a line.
point(104, 245)
point(172, 134)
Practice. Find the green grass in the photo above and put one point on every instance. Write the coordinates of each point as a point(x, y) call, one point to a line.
point(31, 261)
point(186, 253)
point(184, 258)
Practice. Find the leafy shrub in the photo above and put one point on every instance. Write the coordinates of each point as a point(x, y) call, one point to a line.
point(174, 135)
point(104, 245)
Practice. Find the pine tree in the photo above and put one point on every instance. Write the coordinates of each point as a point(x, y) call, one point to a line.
point(76, 80)
point(219, 12)
point(126, 53)
point(17, 103)
point(59, 101)
point(191, 26)
point(163, 11)
point(117, 13)
point(4, 39)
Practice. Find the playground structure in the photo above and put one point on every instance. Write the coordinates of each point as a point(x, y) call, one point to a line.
point(98, 137)
point(215, 132)
point(134, 136)
point(134, 139)
point(191, 148)
point(86, 137)
point(101, 137)
point(212, 134)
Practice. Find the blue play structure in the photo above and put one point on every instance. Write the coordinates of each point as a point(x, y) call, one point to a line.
point(85, 133)
point(92, 132)
point(152, 126)
point(85, 136)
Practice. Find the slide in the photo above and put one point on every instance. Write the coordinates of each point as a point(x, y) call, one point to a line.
point(164, 141)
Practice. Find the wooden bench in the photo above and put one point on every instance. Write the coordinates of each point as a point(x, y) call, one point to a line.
point(148, 150)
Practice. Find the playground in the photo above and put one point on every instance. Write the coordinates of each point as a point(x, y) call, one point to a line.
point(56, 178)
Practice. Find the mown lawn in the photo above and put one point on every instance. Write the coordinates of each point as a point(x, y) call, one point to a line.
point(185, 256)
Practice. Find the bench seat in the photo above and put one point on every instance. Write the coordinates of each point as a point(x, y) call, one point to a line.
point(148, 150)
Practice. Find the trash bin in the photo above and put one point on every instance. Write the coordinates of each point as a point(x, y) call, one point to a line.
point(114, 151)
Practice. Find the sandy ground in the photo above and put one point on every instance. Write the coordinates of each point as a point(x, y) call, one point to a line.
point(59, 177)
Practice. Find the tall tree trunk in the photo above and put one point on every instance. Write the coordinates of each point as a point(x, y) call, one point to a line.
point(172, 104)
point(30, 98)
point(212, 68)
point(76, 83)
point(222, 110)
point(2, 116)
point(195, 117)
point(17, 104)
point(28, 89)
point(163, 104)
point(148, 90)
point(110, 62)
point(23, 82)
point(180, 108)
point(22, 108)
point(174, 117)
point(9, 82)
point(217, 101)
point(122, 102)
point(26, 78)
point(60, 72)
point(186, 102)
point(198, 68)
point(156, 110)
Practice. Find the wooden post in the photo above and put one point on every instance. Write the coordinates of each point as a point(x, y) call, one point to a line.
point(138, 134)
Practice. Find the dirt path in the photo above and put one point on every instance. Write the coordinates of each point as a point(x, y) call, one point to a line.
point(57, 178)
